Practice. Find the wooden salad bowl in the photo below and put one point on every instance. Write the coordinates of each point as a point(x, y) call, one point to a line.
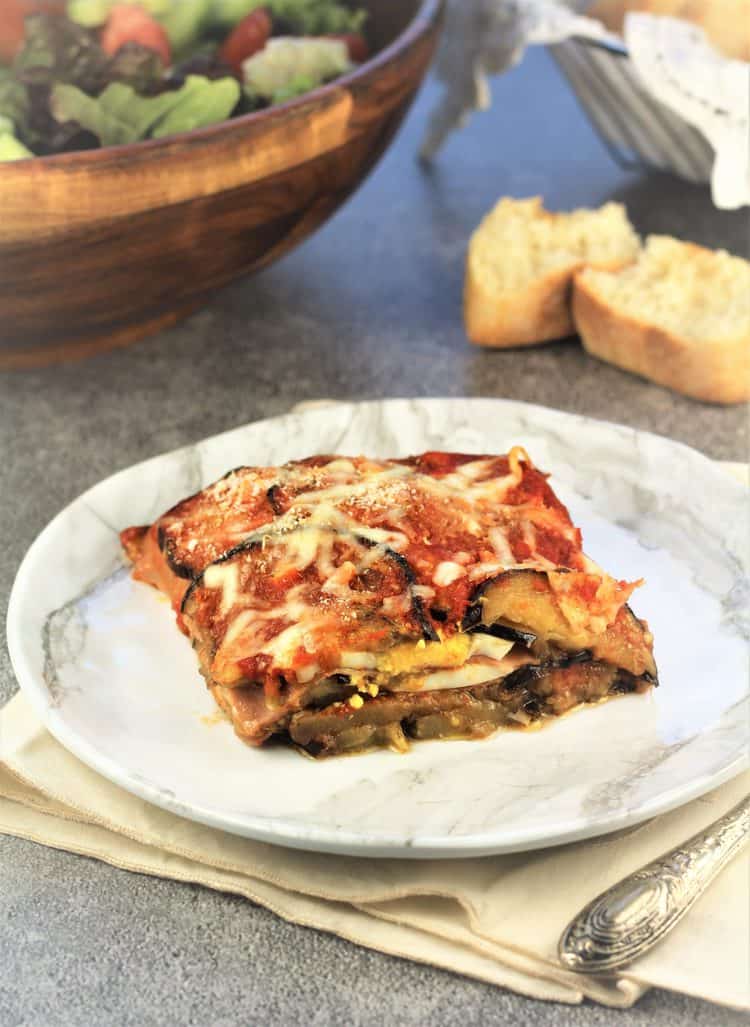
point(100, 247)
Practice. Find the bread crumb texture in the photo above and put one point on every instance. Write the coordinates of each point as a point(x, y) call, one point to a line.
point(725, 22)
point(680, 316)
point(521, 263)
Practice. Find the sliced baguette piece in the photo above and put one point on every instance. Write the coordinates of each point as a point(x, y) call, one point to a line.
point(725, 22)
point(679, 316)
point(521, 263)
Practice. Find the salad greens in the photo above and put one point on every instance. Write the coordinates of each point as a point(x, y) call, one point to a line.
point(93, 13)
point(95, 78)
point(120, 115)
point(296, 86)
point(225, 14)
point(202, 102)
point(11, 148)
point(317, 17)
point(304, 17)
point(288, 66)
point(57, 50)
point(14, 100)
point(184, 20)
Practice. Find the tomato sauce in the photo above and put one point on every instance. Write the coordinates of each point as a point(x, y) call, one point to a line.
point(358, 592)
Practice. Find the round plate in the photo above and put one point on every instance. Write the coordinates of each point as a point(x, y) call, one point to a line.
point(115, 682)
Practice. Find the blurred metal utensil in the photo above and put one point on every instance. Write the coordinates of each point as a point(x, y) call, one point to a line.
point(631, 917)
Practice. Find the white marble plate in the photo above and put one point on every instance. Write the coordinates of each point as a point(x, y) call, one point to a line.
point(115, 682)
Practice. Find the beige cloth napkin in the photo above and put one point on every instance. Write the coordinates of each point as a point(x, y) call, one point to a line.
point(496, 918)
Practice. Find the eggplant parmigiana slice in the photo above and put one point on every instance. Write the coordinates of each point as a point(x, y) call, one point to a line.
point(342, 604)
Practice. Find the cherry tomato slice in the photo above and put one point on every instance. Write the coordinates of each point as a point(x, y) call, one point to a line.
point(246, 38)
point(129, 24)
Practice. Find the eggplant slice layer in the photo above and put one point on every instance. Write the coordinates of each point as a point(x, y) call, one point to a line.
point(519, 700)
point(562, 677)
point(617, 662)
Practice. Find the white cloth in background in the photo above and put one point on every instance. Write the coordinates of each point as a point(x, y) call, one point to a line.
point(681, 69)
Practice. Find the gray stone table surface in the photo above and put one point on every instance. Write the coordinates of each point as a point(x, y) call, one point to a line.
point(369, 307)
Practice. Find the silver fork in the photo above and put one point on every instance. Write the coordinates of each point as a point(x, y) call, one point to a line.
point(631, 917)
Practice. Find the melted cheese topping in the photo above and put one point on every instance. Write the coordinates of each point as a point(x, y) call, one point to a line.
point(224, 576)
point(357, 554)
point(447, 572)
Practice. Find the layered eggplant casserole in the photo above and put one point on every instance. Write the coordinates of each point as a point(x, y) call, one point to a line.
point(342, 604)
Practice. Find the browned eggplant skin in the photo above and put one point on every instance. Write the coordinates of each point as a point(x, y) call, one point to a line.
point(618, 662)
point(323, 723)
point(626, 643)
point(529, 695)
point(166, 545)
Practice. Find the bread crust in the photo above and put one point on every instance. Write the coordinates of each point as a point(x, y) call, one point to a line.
point(537, 312)
point(710, 370)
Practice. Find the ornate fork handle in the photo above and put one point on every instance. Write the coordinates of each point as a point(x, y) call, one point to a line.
point(628, 919)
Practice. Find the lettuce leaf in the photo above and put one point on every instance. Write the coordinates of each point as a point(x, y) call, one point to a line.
point(297, 86)
point(27, 109)
point(137, 66)
point(202, 102)
point(57, 50)
point(225, 14)
point(119, 115)
point(14, 100)
point(185, 22)
point(285, 60)
point(303, 17)
point(12, 148)
point(317, 17)
point(93, 13)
